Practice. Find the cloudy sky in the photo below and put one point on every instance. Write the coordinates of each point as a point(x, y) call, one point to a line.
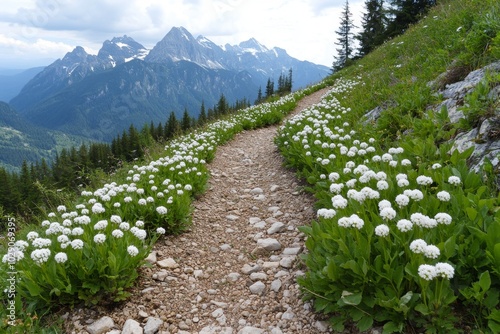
point(37, 32)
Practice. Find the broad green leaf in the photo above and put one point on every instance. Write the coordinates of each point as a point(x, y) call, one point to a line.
point(351, 298)
point(422, 309)
point(365, 323)
point(471, 213)
point(392, 327)
point(485, 280)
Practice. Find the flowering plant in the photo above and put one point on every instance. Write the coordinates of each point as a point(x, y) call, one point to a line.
point(392, 240)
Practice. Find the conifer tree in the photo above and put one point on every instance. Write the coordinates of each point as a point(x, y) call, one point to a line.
point(345, 39)
point(404, 13)
point(202, 118)
point(259, 96)
point(186, 121)
point(374, 23)
point(269, 88)
point(172, 126)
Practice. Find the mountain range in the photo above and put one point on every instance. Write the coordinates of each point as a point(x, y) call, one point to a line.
point(98, 96)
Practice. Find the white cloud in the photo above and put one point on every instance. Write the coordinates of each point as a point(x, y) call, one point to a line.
point(305, 28)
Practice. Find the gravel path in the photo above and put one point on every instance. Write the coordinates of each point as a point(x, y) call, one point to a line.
point(235, 270)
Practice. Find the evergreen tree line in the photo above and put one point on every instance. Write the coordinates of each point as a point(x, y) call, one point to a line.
point(284, 87)
point(36, 186)
point(382, 21)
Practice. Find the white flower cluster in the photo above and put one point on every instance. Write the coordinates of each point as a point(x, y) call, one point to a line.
point(352, 221)
point(442, 269)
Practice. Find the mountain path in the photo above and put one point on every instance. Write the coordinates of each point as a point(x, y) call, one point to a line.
point(223, 276)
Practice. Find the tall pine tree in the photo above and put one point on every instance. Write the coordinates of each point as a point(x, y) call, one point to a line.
point(404, 13)
point(345, 39)
point(373, 24)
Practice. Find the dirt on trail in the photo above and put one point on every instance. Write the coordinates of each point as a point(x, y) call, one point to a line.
point(235, 270)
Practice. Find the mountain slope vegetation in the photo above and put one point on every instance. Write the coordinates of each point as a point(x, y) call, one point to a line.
point(436, 272)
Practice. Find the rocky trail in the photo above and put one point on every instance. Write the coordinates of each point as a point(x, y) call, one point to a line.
point(235, 270)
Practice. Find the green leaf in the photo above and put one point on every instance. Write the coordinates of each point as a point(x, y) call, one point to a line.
point(422, 309)
point(471, 213)
point(449, 246)
point(406, 298)
point(55, 291)
point(351, 298)
point(365, 323)
point(392, 327)
point(485, 281)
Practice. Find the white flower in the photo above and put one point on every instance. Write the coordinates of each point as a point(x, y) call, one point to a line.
point(414, 194)
point(436, 166)
point(443, 196)
point(115, 219)
point(382, 230)
point(140, 234)
point(386, 157)
point(101, 225)
point(139, 223)
point(393, 163)
point(427, 272)
point(31, 236)
point(124, 226)
point(77, 231)
point(424, 180)
point(336, 187)
point(150, 199)
point(142, 201)
point(41, 243)
point(418, 246)
point(61, 257)
point(423, 220)
point(21, 245)
point(40, 255)
point(188, 187)
point(127, 199)
point(61, 208)
point(382, 185)
point(402, 200)
point(404, 225)
point(132, 250)
point(117, 233)
point(444, 270)
point(98, 208)
point(376, 158)
point(356, 221)
point(45, 223)
point(326, 213)
point(443, 218)
point(351, 183)
point(405, 162)
point(77, 244)
point(455, 180)
point(14, 255)
point(62, 239)
point(339, 202)
point(161, 210)
point(99, 238)
point(384, 204)
point(388, 213)
point(160, 230)
point(344, 222)
point(431, 252)
point(403, 183)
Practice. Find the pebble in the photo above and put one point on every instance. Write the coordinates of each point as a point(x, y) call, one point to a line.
point(277, 227)
point(233, 277)
point(168, 263)
point(276, 285)
point(257, 288)
point(132, 327)
point(269, 244)
point(248, 269)
point(152, 325)
point(100, 326)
